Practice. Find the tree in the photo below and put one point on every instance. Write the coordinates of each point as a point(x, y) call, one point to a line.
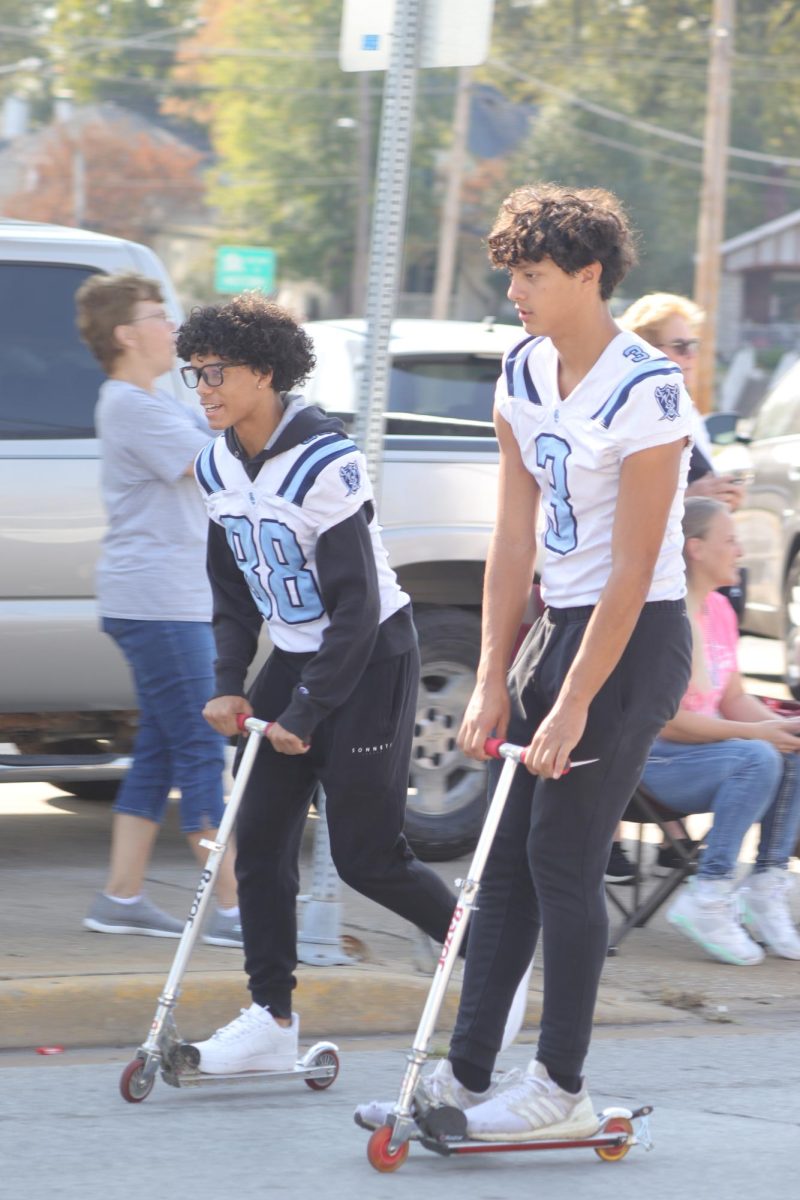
point(118, 179)
point(120, 50)
point(286, 127)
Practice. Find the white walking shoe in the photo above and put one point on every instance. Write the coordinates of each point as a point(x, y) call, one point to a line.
point(534, 1109)
point(254, 1041)
point(438, 1088)
point(707, 911)
point(765, 904)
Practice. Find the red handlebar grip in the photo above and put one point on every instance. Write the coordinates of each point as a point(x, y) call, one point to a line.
point(240, 720)
point(492, 746)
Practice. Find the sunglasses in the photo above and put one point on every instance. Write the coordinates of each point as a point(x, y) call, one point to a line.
point(681, 345)
point(212, 374)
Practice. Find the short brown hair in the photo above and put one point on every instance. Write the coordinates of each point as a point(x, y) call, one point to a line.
point(572, 226)
point(106, 301)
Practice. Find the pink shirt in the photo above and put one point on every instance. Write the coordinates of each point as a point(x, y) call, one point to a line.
point(720, 636)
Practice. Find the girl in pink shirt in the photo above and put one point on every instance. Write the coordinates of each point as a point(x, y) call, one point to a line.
point(725, 752)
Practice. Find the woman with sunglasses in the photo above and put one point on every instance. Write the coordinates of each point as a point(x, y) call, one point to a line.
point(154, 601)
point(672, 324)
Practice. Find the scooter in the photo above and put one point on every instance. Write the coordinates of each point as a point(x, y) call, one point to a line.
point(164, 1050)
point(443, 1129)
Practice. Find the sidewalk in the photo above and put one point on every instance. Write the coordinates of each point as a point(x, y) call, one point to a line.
point(62, 985)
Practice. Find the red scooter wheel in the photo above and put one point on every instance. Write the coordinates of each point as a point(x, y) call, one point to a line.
point(378, 1153)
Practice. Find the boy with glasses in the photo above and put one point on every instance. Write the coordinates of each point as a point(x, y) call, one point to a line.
point(294, 542)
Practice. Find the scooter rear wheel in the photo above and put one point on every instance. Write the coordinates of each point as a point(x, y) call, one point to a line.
point(134, 1085)
point(615, 1153)
point(378, 1153)
point(326, 1058)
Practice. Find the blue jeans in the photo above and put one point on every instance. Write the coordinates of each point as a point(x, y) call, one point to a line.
point(741, 782)
point(172, 664)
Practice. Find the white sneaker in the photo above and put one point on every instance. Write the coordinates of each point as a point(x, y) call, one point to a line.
point(534, 1109)
point(254, 1041)
point(765, 903)
point(707, 911)
point(439, 1087)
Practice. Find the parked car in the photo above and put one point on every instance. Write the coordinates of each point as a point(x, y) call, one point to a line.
point(66, 702)
point(767, 453)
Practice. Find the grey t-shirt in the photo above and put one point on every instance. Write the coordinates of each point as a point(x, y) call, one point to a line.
point(152, 564)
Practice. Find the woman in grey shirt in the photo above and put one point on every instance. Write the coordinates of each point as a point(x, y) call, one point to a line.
point(154, 601)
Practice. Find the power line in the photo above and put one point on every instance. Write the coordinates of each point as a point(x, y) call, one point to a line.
point(610, 114)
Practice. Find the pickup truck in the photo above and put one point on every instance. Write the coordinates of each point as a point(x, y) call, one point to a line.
point(67, 710)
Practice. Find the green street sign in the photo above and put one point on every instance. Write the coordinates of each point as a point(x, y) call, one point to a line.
point(240, 268)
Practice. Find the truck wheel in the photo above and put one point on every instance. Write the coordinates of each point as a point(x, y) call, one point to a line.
point(446, 791)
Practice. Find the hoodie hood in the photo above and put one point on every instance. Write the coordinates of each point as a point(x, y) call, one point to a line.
point(300, 421)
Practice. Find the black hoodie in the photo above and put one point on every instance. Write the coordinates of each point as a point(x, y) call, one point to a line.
point(348, 585)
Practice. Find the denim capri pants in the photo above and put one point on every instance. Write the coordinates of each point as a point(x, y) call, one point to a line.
point(175, 747)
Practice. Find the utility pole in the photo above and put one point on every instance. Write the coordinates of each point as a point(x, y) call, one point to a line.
point(451, 205)
point(711, 221)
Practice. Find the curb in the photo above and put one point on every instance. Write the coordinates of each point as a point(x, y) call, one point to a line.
point(106, 1010)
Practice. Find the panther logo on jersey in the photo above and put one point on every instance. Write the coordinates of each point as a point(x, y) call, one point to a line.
point(350, 477)
point(668, 397)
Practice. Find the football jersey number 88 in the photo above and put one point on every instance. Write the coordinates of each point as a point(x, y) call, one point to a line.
point(289, 582)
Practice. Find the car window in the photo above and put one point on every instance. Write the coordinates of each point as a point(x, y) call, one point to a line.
point(49, 380)
point(780, 413)
point(454, 386)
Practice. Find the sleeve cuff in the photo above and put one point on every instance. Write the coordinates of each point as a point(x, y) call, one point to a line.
point(302, 714)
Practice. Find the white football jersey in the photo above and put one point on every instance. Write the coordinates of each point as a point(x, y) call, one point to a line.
point(632, 398)
point(273, 522)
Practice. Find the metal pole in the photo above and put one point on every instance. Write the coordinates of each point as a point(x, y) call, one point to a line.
point(711, 222)
point(451, 205)
point(388, 227)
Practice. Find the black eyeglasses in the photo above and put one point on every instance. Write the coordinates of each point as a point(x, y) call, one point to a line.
point(681, 345)
point(212, 374)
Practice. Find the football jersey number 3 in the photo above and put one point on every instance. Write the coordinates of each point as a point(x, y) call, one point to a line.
point(288, 581)
point(552, 453)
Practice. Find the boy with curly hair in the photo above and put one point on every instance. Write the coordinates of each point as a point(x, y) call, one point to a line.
point(594, 427)
point(294, 542)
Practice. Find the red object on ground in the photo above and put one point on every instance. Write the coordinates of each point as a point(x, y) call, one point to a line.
point(49, 1049)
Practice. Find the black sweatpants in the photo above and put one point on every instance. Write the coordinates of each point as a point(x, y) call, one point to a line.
point(360, 755)
point(545, 871)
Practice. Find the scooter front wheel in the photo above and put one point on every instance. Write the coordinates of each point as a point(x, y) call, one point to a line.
point(380, 1156)
point(135, 1084)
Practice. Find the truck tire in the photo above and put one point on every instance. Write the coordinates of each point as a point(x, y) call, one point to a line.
point(446, 790)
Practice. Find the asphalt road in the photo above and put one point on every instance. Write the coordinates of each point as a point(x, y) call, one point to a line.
point(726, 1124)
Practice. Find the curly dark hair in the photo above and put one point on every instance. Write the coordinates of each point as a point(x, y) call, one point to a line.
point(252, 330)
point(573, 227)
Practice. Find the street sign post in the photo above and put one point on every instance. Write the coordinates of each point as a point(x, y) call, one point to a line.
point(242, 268)
point(398, 37)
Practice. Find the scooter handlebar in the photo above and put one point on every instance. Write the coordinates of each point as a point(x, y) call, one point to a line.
point(498, 748)
point(252, 724)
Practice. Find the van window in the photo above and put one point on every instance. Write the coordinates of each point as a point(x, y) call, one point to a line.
point(454, 386)
point(48, 379)
point(779, 415)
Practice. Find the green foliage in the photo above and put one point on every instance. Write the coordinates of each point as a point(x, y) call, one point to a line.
point(120, 50)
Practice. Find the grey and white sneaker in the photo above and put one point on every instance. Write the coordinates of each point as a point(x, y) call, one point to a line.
point(253, 1041)
point(222, 930)
point(108, 916)
point(439, 1088)
point(535, 1108)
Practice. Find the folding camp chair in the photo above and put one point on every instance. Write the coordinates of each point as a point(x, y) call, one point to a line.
point(639, 902)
